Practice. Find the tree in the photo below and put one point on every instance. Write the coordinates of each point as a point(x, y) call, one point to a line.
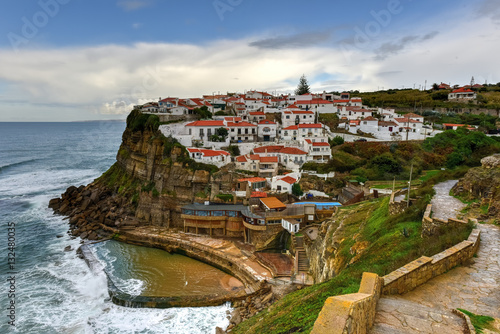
point(303, 86)
point(337, 140)
point(435, 86)
point(203, 112)
point(297, 190)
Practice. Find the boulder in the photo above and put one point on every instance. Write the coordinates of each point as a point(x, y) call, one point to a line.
point(236, 317)
point(55, 203)
point(219, 330)
point(493, 161)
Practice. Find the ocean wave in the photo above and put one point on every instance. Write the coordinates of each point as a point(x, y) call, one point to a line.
point(16, 164)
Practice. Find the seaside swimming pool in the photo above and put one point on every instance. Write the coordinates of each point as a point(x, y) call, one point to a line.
point(322, 205)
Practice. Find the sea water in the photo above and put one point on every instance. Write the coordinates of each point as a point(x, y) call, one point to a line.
point(54, 291)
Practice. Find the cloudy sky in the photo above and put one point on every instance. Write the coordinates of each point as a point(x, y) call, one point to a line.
point(64, 60)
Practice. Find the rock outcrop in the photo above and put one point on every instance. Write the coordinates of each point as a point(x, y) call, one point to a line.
point(151, 180)
point(482, 184)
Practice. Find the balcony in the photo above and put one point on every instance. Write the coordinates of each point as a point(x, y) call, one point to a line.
point(255, 227)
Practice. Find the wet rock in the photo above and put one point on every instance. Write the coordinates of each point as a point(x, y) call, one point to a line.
point(55, 203)
point(219, 330)
point(59, 236)
point(236, 317)
point(68, 249)
point(84, 235)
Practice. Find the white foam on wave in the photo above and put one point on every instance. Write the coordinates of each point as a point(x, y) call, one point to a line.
point(44, 181)
point(131, 286)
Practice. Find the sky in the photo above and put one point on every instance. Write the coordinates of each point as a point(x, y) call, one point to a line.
point(73, 60)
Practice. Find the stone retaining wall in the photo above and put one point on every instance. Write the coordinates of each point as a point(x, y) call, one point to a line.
point(355, 313)
point(396, 208)
point(432, 226)
point(424, 268)
point(119, 297)
point(213, 257)
point(352, 313)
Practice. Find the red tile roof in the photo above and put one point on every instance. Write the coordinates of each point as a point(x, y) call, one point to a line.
point(241, 158)
point(240, 124)
point(268, 149)
point(252, 179)
point(206, 123)
point(266, 121)
point(258, 194)
point(463, 90)
point(289, 179)
point(321, 144)
point(269, 159)
point(315, 101)
point(383, 123)
point(292, 150)
point(370, 118)
point(307, 126)
point(257, 113)
point(291, 127)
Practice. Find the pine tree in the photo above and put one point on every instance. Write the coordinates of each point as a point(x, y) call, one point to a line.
point(303, 86)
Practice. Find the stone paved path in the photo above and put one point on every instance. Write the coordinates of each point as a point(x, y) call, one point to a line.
point(427, 309)
point(445, 206)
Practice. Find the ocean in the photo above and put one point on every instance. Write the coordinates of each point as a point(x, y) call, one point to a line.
point(49, 290)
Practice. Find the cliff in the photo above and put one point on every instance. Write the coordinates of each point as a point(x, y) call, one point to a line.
point(151, 180)
point(481, 186)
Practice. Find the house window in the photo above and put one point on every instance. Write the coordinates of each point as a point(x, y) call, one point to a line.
point(287, 117)
point(190, 132)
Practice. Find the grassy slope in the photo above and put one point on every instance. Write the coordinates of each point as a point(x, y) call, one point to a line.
point(388, 250)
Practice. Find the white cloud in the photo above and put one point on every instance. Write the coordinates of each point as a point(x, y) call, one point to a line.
point(109, 79)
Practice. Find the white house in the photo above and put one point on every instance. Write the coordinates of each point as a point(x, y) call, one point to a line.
point(267, 130)
point(354, 112)
point(462, 94)
point(319, 151)
point(319, 105)
point(282, 184)
point(242, 131)
point(291, 225)
point(214, 157)
point(256, 116)
point(293, 117)
point(292, 157)
point(265, 166)
point(369, 125)
point(408, 124)
point(388, 127)
point(203, 130)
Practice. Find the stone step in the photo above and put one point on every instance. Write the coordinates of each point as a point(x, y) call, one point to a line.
point(397, 315)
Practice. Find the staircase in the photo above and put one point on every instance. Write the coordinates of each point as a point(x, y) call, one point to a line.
point(300, 253)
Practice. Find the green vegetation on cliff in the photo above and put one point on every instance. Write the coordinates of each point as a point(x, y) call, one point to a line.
point(372, 161)
point(392, 241)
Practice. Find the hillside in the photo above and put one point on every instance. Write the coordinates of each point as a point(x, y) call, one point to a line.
point(358, 238)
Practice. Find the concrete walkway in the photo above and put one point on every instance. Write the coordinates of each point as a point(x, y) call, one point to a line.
point(445, 206)
point(474, 287)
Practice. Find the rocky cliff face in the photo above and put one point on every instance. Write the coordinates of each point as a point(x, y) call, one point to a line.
point(483, 185)
point(150, 182)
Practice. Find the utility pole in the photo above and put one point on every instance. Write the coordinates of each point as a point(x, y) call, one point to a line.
point(409, 186)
